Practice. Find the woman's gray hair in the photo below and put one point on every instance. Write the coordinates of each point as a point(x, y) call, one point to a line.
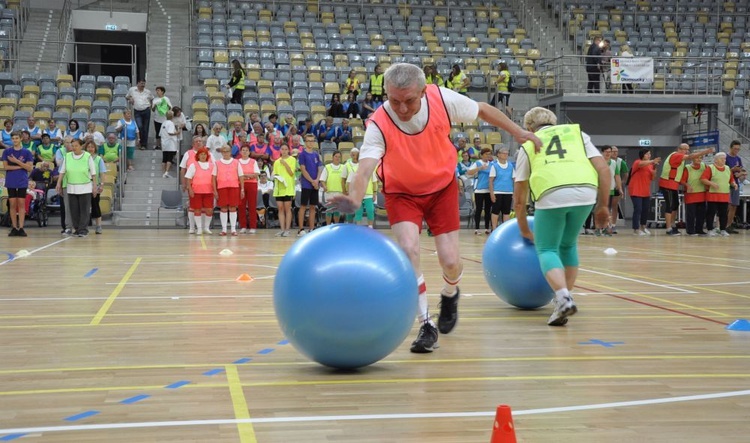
point(720, 154)
point(403, 76)
point(538, 117)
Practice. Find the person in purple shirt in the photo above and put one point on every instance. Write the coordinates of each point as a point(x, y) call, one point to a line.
point(734, 162)
point(18, 163)
point(310, 165)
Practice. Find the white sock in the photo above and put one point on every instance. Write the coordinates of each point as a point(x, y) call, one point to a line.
point(198, 223)
point(206, 221)
point(424, 314)
point(449, 288)
point(224, 217)
point(561, 293)
point(191, 220)
point(232, 220)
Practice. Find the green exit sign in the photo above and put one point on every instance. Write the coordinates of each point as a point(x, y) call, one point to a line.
point(110, 27)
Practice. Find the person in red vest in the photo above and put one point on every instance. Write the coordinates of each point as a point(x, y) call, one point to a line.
point(672, 176)
point(247, 211)
point(413, 128)
point(229, 182)
point(199, 177)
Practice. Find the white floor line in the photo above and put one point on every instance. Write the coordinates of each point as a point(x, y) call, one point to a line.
point(161, 424)
point(716, 284)
point(684, 291)
point(196, 282)
point(137, 297)
point(33, 251)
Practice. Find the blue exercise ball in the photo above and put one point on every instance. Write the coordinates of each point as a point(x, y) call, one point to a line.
point(511, 268)
point(345, 296)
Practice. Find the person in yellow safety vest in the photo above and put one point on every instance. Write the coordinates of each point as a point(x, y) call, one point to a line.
point(718, 179)
point(237, 82)
point(376, 84)
point(332, 184)
point(672, 175)
point(351, 85)
point(566, 176)
point(432, 77)
point(458, 81)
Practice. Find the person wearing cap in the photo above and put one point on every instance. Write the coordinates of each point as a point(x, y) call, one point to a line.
point(415, 125)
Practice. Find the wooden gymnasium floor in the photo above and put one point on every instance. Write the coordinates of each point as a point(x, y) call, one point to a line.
point(145, 336)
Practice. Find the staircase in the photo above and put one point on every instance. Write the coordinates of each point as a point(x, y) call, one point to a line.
point(168, 32)
point(36, 54)
point(142, 194)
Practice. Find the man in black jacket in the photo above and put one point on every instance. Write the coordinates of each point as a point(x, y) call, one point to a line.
point(594, 64)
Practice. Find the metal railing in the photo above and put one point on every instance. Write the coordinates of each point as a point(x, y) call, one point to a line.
point(14, 46)
point(567, 74)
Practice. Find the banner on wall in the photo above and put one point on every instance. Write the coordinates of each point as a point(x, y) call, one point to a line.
point(632, 70)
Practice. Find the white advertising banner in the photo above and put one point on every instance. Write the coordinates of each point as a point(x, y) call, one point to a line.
point(632, 70)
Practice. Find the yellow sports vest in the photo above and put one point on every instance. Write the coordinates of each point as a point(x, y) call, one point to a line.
point(77, 169)
point(456, 81)
point(562, 161)
point(241, 84)
point(284, 188)
point(352, 168)
point(333, 183)
point(376, 84)
point(721, 178)
point(111, 153)
point(666, 171)
point(694, 179)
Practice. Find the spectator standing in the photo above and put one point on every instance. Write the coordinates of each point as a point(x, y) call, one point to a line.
point(237, 81)
point(503, 89)
point(248, 205)
point(97, 185)
point(199, 179)
point(283, 189)
point(310, 165)
point(170, 143)
point(627, 88)
point(672, 175)
point(734, 162)
point(131, 136)
point(18, 162)
point(502, 175)
point(482, 197)
point(229, 184)
point(458, 81)
point(76, 175)
point(215, 141)
point(642, 173)
point(160, 105)
point(376, 83)
point(695, 198)
point(719, 180)
point(594, 65)
point(140, 99)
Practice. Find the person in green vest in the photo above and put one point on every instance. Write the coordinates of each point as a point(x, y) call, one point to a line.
point(45, 151)
point(76, 175)
point(111, 149)
point(718, 179)
point(101, 169)
point(26, 140)
point(672, 176)
point(376, 84)
point(458, 81)
point(432, 77)
point(330, 181)
point(565, 177)
point(695, 198)
point(237, 82)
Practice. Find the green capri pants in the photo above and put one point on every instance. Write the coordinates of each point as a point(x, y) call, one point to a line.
point(556, 235)
point(368, 206)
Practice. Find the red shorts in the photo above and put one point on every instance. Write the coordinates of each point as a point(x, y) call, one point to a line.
point(439, 209)
point(202, 201)
point(229, 197)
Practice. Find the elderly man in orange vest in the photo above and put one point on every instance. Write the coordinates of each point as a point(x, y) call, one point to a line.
point(407, 139)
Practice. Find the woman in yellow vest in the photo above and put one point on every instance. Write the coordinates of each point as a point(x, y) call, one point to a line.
point(695, 198)
point(458, 81)
point(76, 175)
point(566, 176)
point(351, 85)
point(284, 169)
point(718, 178)
point(503, 91)
point(237, 82)
point(376, 84)
point(432, 77)
point(330, 181)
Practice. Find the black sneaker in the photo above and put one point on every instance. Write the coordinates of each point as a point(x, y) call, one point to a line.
point(13, 232)
point(426, 339)
point(674, 232)
point(21, 233)
point(448, 312)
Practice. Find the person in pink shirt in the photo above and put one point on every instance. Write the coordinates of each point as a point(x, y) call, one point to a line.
point(200, 186)
point(229, 184)
point(247, 210)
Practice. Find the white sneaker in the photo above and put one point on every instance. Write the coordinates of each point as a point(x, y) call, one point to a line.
point(724, 234)
point(713, 233)
point(564, 308)
point(198, 232)
point(280, 234)
point(285, 234)
point(243, 231)
point(207, 231)
point(166, 175)
point(251, 231)
point(646, 231)
point(191, 230)
point(301, 232)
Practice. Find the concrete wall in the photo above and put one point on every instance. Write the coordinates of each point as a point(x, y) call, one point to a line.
point(97, 20)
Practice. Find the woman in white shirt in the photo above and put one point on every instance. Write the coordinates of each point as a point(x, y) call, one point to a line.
point(168, 134)
point(93, 135)
point(160, 105)
point(482, 197)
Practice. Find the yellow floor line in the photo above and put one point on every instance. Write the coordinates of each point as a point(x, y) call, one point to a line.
point(246, 430)
point(111, 299)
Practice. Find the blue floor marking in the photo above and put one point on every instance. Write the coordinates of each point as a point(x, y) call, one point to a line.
point(177, 384)
point(213, 372)
point(11, 437)
point(266, 351)
point(606, 344)
point(90, 273)
point(81, 416)
point(241, 361)
point(135, 399)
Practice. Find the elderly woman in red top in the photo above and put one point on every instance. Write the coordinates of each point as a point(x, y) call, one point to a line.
point(642, 173)
point(718, 178)
point(250, 171)
point(200, 186)
point(229, 183)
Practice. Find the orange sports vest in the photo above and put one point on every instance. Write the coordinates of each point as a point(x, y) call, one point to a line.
point(226, 175)
point(431, 150)
point(249, 168)
point(202, 180)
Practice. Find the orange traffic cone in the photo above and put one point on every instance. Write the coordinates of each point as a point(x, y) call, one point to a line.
point(503, 430)
point(244, 277)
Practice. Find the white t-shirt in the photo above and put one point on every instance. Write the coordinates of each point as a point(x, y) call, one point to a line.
point(349, 163)
point(265, 188)
point(203, 165)
point(493, 173)
point(141, 100)
point(474, 166)
point(169, 143)
point(214, 143)
point(96, 136)
point(86, 188)
point(181, 122)
point(563, 197)
point(461, 109)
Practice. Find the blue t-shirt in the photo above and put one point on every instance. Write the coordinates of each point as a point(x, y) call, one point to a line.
point(18, 178)
point(311, 161)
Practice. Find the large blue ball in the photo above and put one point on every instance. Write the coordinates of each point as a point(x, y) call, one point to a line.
point(345, 296)
point(511, 268)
